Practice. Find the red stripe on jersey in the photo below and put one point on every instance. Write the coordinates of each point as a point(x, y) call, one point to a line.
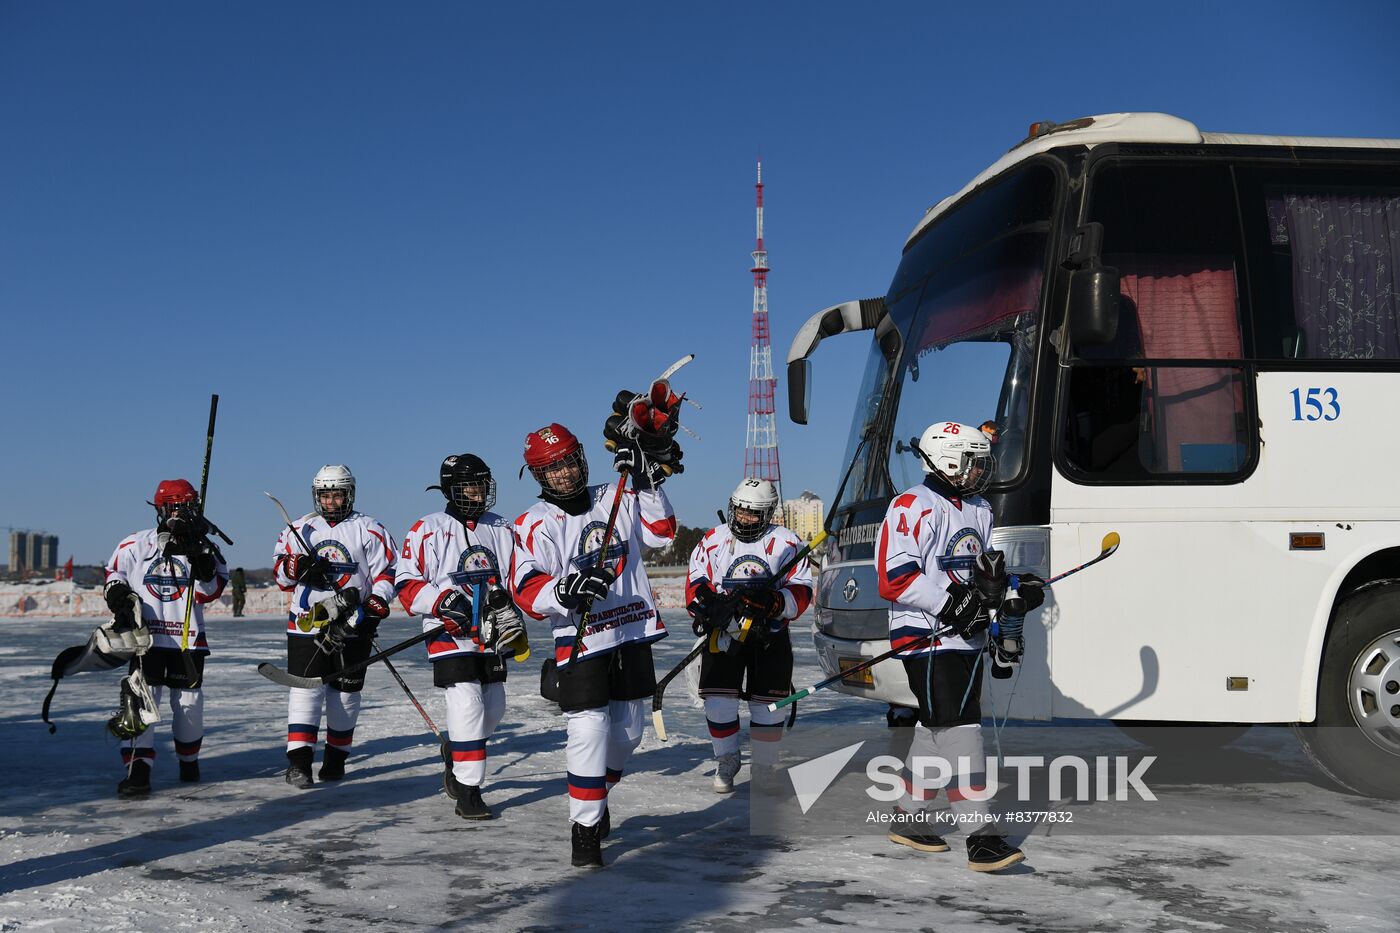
point(918, 525)
point(529, 591)
point(201, 598)
point(409, 593)
point(666, 528)
point(906, 500)
point(422, 544)
point(889, 589)
point(802, 595)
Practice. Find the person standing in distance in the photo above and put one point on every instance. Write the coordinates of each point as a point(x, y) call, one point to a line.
point(340, 594)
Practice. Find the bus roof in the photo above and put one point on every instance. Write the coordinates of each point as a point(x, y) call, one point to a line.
point(1135, 128)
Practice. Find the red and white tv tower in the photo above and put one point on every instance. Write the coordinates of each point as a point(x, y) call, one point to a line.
point(761, 442)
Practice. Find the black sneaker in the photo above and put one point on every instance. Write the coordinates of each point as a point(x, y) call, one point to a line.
point(137, 783)
point(189, 772)
point(924, 842)
point(986, 852)
point(332, 763)
point(299, 767)
point(470, 806)
point(587, 852)
point(450, 786)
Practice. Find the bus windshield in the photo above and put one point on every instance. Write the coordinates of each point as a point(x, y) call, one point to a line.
point(967, 302)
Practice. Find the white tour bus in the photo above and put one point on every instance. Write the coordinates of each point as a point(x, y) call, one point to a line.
point(1191, 339)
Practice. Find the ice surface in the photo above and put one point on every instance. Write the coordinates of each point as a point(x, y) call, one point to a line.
point(382, 849)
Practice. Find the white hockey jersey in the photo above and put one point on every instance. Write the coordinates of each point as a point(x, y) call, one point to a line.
point(727, 563)
point(360, 551)
point(161, 582)
point(441, 554)
point(926, 542)
point(550, 543)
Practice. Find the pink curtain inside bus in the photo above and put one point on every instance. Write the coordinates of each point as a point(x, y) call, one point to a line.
point(1187, 308)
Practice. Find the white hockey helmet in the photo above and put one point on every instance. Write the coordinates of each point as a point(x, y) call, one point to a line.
point(960, 453)
point(334, 476)
point(753, 497)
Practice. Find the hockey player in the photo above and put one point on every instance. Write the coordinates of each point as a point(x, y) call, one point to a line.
point(731, 580)
point(158, 565)
point(931, 566)
point(340, 593)
point(561, 570)
point(453, 563)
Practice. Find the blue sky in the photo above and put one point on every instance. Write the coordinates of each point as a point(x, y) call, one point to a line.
point(384, 233)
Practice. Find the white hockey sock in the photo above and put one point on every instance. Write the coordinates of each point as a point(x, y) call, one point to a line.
point(722, 716)
point(304, 716)
point(586, 755)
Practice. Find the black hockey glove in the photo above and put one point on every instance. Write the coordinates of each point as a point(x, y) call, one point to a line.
point(762, 603)
point(1029, 595)
point(989, 576)
point(118, 597)
point(646, 472)
point(314, 572)
point(376, 611)
point(591, 585)
point(708, 610)
point(964, 611)
point(204, 560)
point(454, 608)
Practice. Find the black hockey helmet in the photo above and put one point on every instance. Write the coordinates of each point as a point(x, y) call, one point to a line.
point(465, 481)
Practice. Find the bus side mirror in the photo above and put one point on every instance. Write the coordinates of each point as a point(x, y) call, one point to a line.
point(1093, 306)
point(799, 382)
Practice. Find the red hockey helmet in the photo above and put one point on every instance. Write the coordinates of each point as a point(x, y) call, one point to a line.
point(549, 453)
point(172, 491)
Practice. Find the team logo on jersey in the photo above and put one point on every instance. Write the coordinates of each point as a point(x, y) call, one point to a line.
point(748, 570)
point(591, 542)
point(165, 578)
point(960, 554)
point(340, 559)
point(477, 565)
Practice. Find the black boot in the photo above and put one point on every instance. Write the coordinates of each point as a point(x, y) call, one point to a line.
point(299, 767)
point(189, 771)
point(138, 782)
point(587, 853)
point(605, 824)
point(470, 806)
point(986, 852)
point(333, 763)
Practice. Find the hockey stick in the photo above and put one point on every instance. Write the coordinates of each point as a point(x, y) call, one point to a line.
point(1110, 546)
point(191, 672)
point(278, 676)
point(587, 606)
point(658, 696)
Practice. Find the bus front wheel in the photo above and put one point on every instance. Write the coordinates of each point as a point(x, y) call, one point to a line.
point(1356, 738)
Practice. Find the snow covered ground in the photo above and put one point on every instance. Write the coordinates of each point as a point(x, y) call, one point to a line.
point(382, 849)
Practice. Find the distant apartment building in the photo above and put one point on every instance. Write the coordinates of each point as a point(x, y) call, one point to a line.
point(804, 515)
point(32, 552)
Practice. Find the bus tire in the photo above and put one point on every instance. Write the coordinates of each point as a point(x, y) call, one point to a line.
point(1355, 740)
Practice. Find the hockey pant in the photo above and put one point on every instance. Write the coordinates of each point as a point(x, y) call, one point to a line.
point(599, 744)
point(948, 758)
point(765, 728)
point(473, 712)
point(187, 717)
point(304, 706)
